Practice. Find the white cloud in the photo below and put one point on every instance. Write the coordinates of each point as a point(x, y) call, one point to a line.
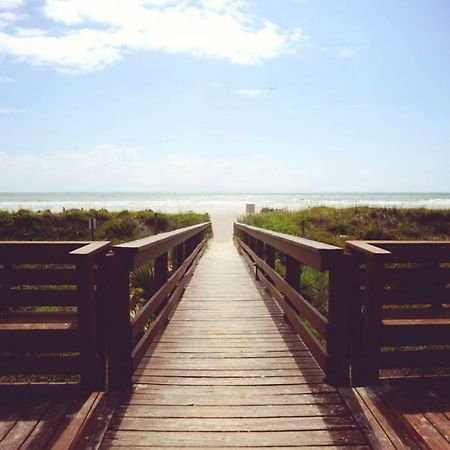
point(360, 106)
point(8, 111)
point(345, 53)
point(8, 18)
point(109, 167)
point(10, 4)
point(249, 92)
point(93, 34)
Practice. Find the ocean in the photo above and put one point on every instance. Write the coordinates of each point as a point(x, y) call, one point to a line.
point(215, 203)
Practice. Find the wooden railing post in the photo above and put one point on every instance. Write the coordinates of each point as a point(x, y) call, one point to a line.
point(119, 333)
point(337, 369)
point(189, 247)
point(101, 308)
point(372, 316)
point(355, 319)
point(179, 255)
point(260, 248)
point(161, 270)
point(293, 270)
point(270, 256)
point(5, 284)
point(90, 364)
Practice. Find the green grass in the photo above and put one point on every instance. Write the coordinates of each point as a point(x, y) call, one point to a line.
point(72, 224)
point(335, 226)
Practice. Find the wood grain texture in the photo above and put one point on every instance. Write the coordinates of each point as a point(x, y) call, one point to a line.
point(229, 371)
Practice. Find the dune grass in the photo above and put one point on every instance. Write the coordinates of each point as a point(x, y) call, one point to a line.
point(335, 226)
point(73, 224)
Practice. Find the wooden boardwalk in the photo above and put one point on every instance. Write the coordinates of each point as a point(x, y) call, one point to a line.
point(43, 416)
point(228, 371)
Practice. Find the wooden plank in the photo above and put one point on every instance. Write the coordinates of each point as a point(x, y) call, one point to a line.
point(30, 414)
point(38, 252)
point(416, 295)
point(230, 381)
point(35, 276)
point(98, 421)
point(242, 424)
point(376, 435)
point(392, 424)
point(92, 249)
point(412, 417)
point(70, 430)
point(415, 359)
point(40, 365)
point(41, 297)
point(416, 275)
point(328, 403)
point(231, 439)
point(47, 337)
point(417, 332)
point(48, 424)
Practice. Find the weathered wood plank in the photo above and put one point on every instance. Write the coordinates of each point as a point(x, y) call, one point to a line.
point(228, 371)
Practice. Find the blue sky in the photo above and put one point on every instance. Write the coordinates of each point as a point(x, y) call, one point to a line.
point(225, 95)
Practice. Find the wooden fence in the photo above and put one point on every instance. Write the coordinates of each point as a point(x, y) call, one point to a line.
point(327, 338)
point(402, 306)
point(388, 304)
point(65, 278)
point(128, 339)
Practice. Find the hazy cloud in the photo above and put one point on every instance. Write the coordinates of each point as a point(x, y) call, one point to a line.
point(10, 4)
point(360, 106)
point(110, 167)
point(6, 80)
point(345, 53)
point(11, 110)
point(249, 92)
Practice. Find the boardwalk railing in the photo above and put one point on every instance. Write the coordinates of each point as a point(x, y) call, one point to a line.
point(130, 338)
point(402, 306)
point(327, 338)
point(51, 320)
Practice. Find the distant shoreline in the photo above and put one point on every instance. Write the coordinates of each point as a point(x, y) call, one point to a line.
point(215, 203)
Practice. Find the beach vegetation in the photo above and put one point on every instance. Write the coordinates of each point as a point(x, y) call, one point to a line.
point(335, 226)
point(73, 224)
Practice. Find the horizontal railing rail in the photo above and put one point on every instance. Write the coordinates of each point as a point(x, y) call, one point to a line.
point(403, 307)
point(129, 338)
point(326, 337)
point(51, 309)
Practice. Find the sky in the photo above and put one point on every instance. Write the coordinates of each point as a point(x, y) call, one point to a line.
point(225, 95)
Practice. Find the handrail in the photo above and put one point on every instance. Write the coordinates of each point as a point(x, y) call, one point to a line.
point(130, 338)
point(316, 254)
point(140, 251)
point(92, 248)
point(259, 247)
point(366, 247)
